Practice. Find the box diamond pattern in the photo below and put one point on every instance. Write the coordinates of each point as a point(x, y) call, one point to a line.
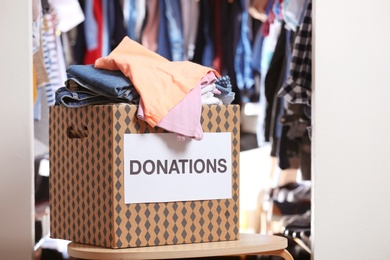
point(86, 183)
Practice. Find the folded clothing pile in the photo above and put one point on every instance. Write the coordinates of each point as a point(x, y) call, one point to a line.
point(169, 94)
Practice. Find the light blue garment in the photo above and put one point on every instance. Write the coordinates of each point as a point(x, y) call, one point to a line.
point(292, 11)
point(132, 20)
point(243, 57)
point(175, 28)
point(90, 26)
point(277, 10)
point(256, 52)
point(38, 105)
point(107, 13)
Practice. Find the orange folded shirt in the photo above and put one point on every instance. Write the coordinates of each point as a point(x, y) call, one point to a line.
point(161, 83)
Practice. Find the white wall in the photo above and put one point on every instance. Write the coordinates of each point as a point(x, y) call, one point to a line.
point(16, 131)
point(351, 130)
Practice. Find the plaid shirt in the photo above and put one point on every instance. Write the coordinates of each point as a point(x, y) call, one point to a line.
point(297, 88)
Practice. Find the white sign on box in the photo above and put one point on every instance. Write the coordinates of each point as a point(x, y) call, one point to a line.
point(159, 168)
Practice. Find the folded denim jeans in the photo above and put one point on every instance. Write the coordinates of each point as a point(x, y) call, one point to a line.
point(110, 83)
point(81, 98)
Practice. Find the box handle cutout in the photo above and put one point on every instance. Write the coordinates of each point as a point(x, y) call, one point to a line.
point(74, 133)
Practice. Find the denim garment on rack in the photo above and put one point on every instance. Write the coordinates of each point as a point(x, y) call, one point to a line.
point(132, 20)
point(110, 83)
point(106, 27)
point(163, 44)
point(175, 29)
point(82, 98)
point(90, 26)
point(243, 57)
point(256, 52)
point(114, 25)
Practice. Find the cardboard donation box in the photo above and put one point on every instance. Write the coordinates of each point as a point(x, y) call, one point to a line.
point(117, 182)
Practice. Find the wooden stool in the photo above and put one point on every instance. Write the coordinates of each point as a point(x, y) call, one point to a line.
point(248, 244)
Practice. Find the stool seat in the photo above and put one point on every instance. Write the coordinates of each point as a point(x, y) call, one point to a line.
point(248, 244)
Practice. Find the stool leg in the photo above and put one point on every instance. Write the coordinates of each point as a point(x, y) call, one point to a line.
point(286, 255)
point(282, 253)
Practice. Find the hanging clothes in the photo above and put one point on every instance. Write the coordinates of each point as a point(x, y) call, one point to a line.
point(53, 60)
point(243, 56)
point(204, 47)
point(175, 29)
point(230, 29)
point(294, 141)
point(292, 11)
point(190, 16)
point(113, 26)
point(273, 81)
point(218, 61)
point(297, 88)
point(271, 35)
point(93, 29)
point(150, 32)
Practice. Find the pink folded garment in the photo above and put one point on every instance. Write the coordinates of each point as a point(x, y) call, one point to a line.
point(184, 118)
